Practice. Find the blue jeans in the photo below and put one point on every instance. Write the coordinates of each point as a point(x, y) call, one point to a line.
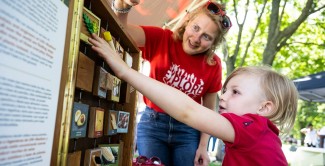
point(160, 135)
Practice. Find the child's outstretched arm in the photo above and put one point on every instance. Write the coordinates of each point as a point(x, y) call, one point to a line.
point(172, 101)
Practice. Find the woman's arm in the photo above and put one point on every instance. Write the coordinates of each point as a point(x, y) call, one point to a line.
point(135, 31)
point(209, 101)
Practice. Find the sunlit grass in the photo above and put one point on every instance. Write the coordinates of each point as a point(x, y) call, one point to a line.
point(215, 164)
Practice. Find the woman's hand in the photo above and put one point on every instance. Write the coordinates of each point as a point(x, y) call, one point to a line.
point(122, 4)
point(201, 157)
point(109, 55)
point(132, 2)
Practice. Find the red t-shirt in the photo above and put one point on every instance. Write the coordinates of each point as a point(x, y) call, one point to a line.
point(171, 65)
point(256, 142)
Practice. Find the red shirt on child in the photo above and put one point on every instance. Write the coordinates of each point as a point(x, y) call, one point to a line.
point(256, 142)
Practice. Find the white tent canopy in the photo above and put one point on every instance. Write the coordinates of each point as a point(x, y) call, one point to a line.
point(312, 87)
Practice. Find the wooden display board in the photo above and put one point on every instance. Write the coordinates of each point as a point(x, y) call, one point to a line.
point(48, 67)
point(73, 90)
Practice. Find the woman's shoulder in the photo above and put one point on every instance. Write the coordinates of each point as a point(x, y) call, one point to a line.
point(155, 29)
point(153, 33)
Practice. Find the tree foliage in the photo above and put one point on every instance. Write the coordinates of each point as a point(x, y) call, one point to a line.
point(276, 32)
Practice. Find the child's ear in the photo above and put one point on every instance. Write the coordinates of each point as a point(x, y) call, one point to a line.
point(266, 109)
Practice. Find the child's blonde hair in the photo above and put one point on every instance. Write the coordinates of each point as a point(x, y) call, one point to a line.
point(278, 89)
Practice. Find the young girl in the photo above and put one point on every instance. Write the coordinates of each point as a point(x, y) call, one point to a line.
point(254, 101)
point(183, 59)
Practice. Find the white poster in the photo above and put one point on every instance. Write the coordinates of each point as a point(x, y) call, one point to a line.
point(32, 36)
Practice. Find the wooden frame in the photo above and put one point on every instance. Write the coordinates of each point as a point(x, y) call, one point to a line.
point(100, 82)
point(96, 122)
point(84, 32)
point(85, 73)
point(114, 94)
point(61, 147)
point(92, 157)
point(79, 120)
point(112, 151)
point(123, 122)
point(110, 127)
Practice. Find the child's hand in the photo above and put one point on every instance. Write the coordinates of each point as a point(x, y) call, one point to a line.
point(101, 47)
point(109, 55)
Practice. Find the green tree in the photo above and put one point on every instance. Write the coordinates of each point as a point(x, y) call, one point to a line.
point(283, 31)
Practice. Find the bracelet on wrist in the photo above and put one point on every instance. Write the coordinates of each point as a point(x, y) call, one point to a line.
point(125, 10)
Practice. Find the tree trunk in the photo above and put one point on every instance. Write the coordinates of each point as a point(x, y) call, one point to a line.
point(269, 55)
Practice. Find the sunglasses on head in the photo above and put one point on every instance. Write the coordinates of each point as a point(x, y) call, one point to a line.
point(217, 10)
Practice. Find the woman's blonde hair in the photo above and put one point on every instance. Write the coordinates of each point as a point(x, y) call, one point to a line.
point(179, 32)
point(278, 89)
